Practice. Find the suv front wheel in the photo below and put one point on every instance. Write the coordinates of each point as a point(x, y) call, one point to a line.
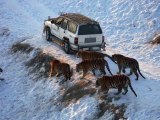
point(67, 47)
point(48, 34)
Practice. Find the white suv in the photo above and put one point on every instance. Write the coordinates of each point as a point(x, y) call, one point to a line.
point(74, 32)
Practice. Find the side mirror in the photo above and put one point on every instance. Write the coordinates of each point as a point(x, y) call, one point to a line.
point(49, 17)
point(52, 21)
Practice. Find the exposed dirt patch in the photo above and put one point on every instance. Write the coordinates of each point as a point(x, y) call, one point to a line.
point(40, 64)
point(4, 31)
point(107, 105)
point(22, 47)
point(77, 91)
point(156, 40)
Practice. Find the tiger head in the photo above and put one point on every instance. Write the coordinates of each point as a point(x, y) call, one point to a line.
point(79, 54)
point(116, 57)
point(98, 82)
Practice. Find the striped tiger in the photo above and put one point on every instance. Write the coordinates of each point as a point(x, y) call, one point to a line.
point(126, 62)
point(92, 64)
point(57, 68)
point(116, 81)
point(92, 55)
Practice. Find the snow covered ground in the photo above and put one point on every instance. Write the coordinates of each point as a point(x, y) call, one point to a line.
point(127, 26)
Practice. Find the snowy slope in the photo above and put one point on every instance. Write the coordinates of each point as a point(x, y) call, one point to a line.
point(125, 23)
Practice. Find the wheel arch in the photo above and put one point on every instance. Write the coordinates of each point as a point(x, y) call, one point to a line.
point(66, 39)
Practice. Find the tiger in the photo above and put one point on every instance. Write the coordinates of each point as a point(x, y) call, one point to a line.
point(116, 81)
point(92, 55)
point(126, 62)
point(92, 64)
point(57, 68)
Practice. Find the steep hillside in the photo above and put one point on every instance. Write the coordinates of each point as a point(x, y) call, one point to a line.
point(28, 93)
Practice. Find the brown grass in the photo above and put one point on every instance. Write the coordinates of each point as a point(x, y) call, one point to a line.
point(117, 111)
point(41, 60)
point(76, 92)
point(106, 105)
point(156, 40)
point(22, 47)
point(4, 31)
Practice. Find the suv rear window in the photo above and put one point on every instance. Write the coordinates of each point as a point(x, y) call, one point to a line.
point(72, 27)
point(89, 29)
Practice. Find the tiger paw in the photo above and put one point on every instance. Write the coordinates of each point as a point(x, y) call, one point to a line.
point(117, 93)
point(50, 76)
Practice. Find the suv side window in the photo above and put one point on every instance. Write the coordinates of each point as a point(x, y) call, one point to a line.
point(64, 24)
point(59, 20)
point(72, 27)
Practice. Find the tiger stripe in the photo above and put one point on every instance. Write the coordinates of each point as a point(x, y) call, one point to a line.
point(57, 68)
point(124, 62)
point(92, 55)
point(116, 81)
point(91, 65)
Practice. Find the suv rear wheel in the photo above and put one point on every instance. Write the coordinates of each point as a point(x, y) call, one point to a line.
point(48, 34)
point(67, 47)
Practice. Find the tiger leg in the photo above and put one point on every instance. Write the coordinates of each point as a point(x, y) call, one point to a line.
point(119, 90)
point(103, 71)
point(135, 72)
point(84, 73)
point(131, 72)
point(66, 78)
point(51, 73)
point(120, 68)
point(123, 70)
point(51, 70)
point(58, 74)
point(125, 90)
point(93, 72)
point(104, 90)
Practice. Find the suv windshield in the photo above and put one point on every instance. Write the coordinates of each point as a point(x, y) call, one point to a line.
point(89, 29)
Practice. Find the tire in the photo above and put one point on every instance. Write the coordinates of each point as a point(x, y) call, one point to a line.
point(67, 47)
point(48, 34)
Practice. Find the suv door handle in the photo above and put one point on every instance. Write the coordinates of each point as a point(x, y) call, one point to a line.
point(70, 36)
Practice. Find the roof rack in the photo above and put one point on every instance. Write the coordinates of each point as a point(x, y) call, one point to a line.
point(78, 18)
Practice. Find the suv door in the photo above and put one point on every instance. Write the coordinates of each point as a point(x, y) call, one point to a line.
point(63, 29)
point(55, 27)
point(90, 34)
